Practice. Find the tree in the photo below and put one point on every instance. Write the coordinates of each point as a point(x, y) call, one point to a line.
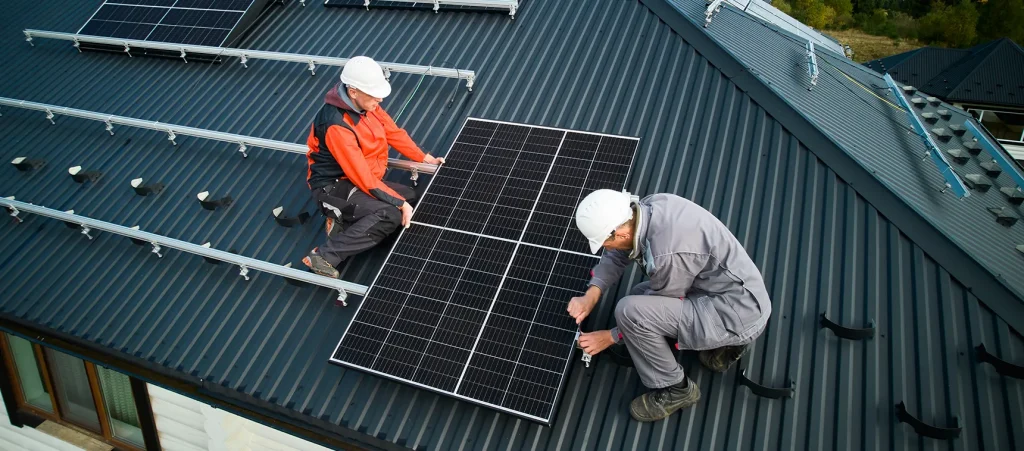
point(955, 26)
point(783, 6)
point(814, 13)
point(843, 13)
point(1002, 18)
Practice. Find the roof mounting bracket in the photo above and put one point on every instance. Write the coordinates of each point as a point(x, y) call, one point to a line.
point(182, 55)
point(849, 333)
point(244, 272)
point(127, 49)
point(286, 221)
point(145, 190)
point(86, 230)
point(26, 164)
point(78, 45)
point(243, 59)
point(1014, 196)
point(714, 6)
point(109, 127)
point(28, 37)
point(171, 137)
point(14, 211)
point(812, 65)
point(1002, 367)
point(992, 168)
point(156, 250)
point(311, 65)
point(763, 391)
point(978, 183)
point(952, 181)
point(342, 298)
point(927, 430)
point(49, 116)
point(243, 149)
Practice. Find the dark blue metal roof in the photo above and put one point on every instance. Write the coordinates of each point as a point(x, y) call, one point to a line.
point(986, 74)
point(825, 241)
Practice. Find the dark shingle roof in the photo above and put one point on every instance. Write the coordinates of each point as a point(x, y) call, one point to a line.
point(988, 73)
point(262, 345)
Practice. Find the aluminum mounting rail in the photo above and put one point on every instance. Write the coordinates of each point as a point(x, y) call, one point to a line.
point(952, 180)
point(244, 55)
point(990, 147)
point(158, 242)
point(172, 130)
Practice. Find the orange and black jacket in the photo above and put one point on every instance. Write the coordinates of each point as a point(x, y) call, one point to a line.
point(346, 144)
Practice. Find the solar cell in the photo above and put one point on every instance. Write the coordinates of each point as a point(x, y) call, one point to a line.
point(197, 22)
point(472, 299)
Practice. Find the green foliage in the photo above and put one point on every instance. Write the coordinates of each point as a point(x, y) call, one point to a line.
point(955, 26)
point(1002, 18)
point(814, 13)
point(783, 6)
point(843, 13)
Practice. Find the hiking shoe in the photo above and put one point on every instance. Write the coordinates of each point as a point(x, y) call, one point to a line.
point(659, 404)
point(319, 265)
point(719, 360)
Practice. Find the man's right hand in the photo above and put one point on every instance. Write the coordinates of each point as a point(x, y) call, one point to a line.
point(581, 306)
point(406, 214)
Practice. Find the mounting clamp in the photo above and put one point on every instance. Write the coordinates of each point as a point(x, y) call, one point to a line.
point(244, 272)
point(182, 55)
point(128, 50)
point(110, 127)
point(171, 137)
point(28, 38)
point(49, 116)
point(86, 230)
point(245, 59)
point(156, 250)
point(312, 67)
point(243, 149)
point(342, 297)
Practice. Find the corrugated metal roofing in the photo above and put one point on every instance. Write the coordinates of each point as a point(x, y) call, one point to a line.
point(611, 67)
point(849, 105)
point(988, 73)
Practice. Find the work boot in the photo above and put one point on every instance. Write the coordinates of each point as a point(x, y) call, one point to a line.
point(719, 360)
point(660, 403)
point(319, 265)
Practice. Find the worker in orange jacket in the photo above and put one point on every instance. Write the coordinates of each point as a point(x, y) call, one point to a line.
point(348, 156)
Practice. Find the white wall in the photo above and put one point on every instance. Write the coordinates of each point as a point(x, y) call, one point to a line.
point(188, 425)
point(26, 438)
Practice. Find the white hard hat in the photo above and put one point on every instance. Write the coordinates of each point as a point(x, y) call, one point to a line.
point(600, 213)
point(364, 74)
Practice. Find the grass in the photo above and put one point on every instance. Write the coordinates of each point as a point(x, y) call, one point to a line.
point(868, 47)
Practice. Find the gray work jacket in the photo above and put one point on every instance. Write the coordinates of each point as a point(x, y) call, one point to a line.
point(687, 253)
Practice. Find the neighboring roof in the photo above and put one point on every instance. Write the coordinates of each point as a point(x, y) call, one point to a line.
point(825, 235)
point(988, 74)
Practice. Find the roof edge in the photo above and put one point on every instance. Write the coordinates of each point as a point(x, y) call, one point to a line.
point(238, 403)
point(990, 288)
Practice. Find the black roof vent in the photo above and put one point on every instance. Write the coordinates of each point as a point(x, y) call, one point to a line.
point(958, 129)
point(910, 90)
point(1004, 216)
point(978, 182)
point(919, 103)
point(934, 101)
point(959, 156)
point(1014, 195)
point(930, 118)
point(972, 146)
point(992, 168)
point(945, 114)
point(943, 134)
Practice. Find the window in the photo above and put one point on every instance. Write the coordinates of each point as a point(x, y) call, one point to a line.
point(70, 391)
point(1003, 125)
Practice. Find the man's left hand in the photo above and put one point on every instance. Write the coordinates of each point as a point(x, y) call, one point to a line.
point(595, 342)
point(430, 159)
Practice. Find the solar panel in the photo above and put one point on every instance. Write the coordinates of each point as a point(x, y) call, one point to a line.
point(196, 22)
point(471, 301)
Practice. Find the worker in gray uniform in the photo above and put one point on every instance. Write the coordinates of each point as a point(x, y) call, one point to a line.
point(703, 292)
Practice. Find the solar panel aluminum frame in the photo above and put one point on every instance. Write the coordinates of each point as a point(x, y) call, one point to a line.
point(572, 349)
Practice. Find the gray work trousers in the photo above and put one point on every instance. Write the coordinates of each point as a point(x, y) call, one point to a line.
point(367, 220)
point(645, 321)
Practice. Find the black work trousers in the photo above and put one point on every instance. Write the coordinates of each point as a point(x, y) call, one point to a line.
point(366, 220)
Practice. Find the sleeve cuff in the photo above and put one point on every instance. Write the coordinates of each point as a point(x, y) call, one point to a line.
point(616, 335)
point(594, 281)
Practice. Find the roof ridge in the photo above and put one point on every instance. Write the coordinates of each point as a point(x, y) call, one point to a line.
point(1001, 298)
point(984, 53)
